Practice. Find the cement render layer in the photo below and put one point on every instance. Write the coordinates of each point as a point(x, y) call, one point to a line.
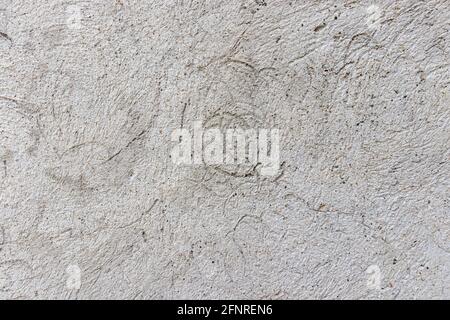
point(92, 207)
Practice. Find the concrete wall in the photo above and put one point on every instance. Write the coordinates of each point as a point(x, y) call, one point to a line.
point(92, 205)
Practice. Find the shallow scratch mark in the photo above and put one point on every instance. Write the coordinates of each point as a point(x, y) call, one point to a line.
point(127, 146)
point(4, 35)
point(183, 113)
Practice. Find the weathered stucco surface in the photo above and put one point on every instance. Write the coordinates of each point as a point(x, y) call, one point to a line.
point(91, 90)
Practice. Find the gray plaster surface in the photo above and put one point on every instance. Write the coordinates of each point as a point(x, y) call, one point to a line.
point(92, 207)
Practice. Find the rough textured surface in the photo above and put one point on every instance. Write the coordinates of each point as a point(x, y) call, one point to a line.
point(359, 90)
